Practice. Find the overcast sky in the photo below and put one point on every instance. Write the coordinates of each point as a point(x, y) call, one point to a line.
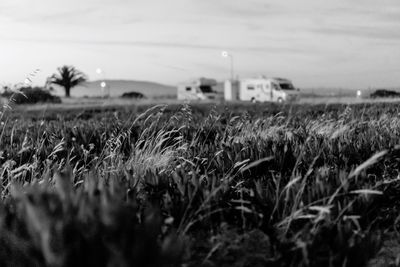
point(341, 43)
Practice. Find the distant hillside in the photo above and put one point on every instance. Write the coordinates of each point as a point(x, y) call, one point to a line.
point(118, 87)
point(157, 90)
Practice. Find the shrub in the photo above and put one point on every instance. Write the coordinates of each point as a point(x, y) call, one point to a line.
point(31, 95)
point(136, 95)
point(384, 93)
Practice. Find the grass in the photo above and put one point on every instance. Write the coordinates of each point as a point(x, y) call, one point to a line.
point(199, 185)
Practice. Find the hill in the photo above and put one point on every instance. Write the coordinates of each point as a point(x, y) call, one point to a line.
point(157, 90)
point(117, 87)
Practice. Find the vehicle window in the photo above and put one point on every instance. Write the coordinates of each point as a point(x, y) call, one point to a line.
point(259, 86)
point(250, 87)
point(188, 88)
point(267, 86)
point(286, 86)
point(206, 89)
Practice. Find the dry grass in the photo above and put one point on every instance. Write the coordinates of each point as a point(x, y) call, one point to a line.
point(312, 188)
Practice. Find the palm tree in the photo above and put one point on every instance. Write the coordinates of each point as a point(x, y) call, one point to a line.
point(67, 77)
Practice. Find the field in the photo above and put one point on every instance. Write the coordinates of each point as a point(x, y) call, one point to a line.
point(200, 185)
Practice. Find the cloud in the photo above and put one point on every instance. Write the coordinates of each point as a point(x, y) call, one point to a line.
point(283, 35)
point(173, 67)
point(171, 45)
point(64, 16)
point(46, 13)
point(392, 16)
point(251, 9)
point(381, 33)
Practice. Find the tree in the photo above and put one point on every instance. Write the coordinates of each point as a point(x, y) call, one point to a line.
point(67, 77)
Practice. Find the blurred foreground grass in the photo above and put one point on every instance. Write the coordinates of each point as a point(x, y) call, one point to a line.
point(200, 185)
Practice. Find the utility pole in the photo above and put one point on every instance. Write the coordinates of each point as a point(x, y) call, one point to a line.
point(230, 56)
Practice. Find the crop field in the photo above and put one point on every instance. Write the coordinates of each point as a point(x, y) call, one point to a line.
point(200, 185)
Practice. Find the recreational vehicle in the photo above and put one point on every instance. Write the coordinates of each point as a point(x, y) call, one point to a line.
point(261, 90)
point(200, 89)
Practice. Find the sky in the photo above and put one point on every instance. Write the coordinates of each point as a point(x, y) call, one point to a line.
point(315, 43)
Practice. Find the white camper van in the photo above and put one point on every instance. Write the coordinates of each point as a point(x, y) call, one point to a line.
point(200, 89)
point(261, 90)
